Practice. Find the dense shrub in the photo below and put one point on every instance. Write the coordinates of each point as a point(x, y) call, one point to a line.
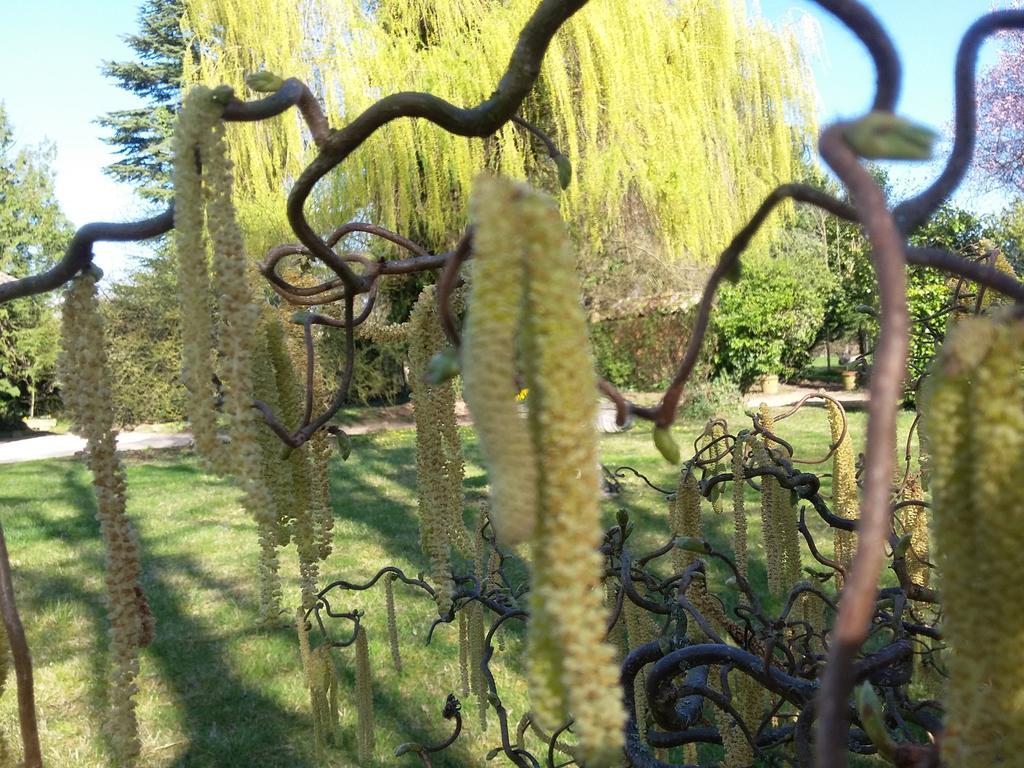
point(768, 321)
point(143, 322)
point(641, 353)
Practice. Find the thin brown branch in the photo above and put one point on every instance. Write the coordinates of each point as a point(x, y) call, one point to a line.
point(22, 661)
point(857, 603)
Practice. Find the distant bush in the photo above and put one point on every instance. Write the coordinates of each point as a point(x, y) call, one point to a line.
point(768, 321)
point(641, 353)
point(717, 396)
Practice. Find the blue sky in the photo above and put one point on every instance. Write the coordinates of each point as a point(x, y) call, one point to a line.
point(53, 90)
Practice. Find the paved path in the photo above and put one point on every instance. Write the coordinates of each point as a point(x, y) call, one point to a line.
point(790, 395)
point(55, 446)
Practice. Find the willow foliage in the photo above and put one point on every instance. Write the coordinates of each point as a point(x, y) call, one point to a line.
point(678, 118)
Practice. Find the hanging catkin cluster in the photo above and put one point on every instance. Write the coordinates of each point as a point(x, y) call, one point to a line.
point(739, 510)
point(89, 400)
point(205, 190)
point(915, 523)
point(640, 629)
point(844, 484)
point(778, 521)
point(389, 600)
point(439, 465)
point(684, 515)
point(974, 417)
point(747, 698)
point(364, 698)
point(322, 681)
point(544, 471)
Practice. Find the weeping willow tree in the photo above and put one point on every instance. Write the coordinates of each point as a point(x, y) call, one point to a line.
point(678, 117)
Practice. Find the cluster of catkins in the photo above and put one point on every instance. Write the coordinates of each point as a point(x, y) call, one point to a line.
point(88, 398)
point(524, 316)
point(845, 502)
point(778, 517)
point(225, 364)
point(973, 416)
point(439, 465)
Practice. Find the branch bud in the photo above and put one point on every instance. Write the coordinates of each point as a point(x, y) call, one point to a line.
point(885, 136)
point(666, 445)
point(442, 366)
point(263, 81)
point(564, 170)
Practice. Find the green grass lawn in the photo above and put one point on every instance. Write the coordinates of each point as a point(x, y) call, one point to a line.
point(216, 691)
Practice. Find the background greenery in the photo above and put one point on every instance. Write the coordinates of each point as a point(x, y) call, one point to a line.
point(217, 693)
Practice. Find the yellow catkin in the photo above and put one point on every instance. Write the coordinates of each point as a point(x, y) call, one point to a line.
point(684, 515)
point(739, 511)
point(640, 629)
point(464, 653)
point(299, 465)
point(974, 418)
point(439, 464)
point(915, 523)
point(200, 135)
point(477, 681)
point(195, 122)
point(559, 373)
point(713, 445)
point(545, 477)
point(322, 681)
point(617, 637)
point(747, 697)
point(88, 399)
point(364, 698)
point(845, 503)
point(489, 364)
point(389, 599)
point(786, 524)
point(774, 550)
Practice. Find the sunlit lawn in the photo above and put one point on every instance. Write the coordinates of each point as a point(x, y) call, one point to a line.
point(216, 691)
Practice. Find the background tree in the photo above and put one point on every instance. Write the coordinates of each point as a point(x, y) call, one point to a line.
point(142, 136)
point(677, 124)
point(33, 232)
point(1000, 150)
point(142, 311)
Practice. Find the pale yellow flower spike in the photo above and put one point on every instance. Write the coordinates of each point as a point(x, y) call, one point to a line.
point(915, 523)
point(200, 129)
point(774, 548)
point(739, 511)
point(88, 398)
point(684, 516)
point(489, 359)
point(974, 418)
point(559, 373)
point(845, 502)
point(747, 697)
point(389, 599)
point(195, 122)
point(439, 464)
point(544, 476)
point(364, 698)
